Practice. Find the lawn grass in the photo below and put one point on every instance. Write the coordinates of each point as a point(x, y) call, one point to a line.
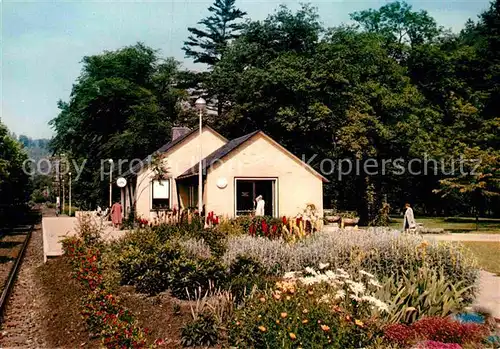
point(462, 225)
point(487, 254)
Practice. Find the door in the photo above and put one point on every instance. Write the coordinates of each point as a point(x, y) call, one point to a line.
point(247, 191)
point(244, 197)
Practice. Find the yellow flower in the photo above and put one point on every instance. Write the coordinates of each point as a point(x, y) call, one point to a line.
point(325, 328)
point(262, 329)
point(305, 321)
point(310, 292)
point(288, 298)
point(305, 311)
point(284, 315)
point(277, 322)
point(292, 336)
point(359, 323)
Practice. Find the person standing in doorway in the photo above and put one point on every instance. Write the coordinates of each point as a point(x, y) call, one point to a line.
point(116, 215)
point(409, 219)
point(260, 206)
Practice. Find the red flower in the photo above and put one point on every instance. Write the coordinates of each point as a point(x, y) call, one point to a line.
point(265, 228)
point(284, 220)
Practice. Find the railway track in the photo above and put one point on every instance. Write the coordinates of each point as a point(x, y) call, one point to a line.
point(13, 245)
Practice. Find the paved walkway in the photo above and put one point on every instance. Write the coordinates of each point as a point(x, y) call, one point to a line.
point(489, 293)
point(489, 284)
point(57, 228)
point(465, 237)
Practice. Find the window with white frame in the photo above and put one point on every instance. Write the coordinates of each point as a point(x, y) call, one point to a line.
point(160, 198)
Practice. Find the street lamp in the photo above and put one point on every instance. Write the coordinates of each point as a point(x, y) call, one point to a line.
point(110, 182)
point(200, 105)
point(69, 194)
point(63, 201)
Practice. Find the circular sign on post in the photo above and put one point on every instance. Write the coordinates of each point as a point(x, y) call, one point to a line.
point(221, 183)
point(121, 182)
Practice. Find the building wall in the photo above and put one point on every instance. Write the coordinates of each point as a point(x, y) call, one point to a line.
point(182, 157)
point(296, 185)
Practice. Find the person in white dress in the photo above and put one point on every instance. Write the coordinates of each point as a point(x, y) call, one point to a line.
point(409, 220)
point(259, 207)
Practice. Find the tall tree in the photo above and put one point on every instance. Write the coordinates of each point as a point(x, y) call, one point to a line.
point(401, 27)
point(14, 180)
point(208, 44)
point(121, 107)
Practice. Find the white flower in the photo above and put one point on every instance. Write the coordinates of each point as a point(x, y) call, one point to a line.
point(339, 295)
point(323, 265)
point(375, 283)
point(289, 275)
point(325, 299)
point(331, 275)
point(381, 306)
point(343, 273)
point(311, 271)
point(362, 272)
point(309, 280)
point(357, 287)
point(354, 297)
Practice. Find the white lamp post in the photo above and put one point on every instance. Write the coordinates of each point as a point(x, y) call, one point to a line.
point(69, 194)
point(63, 197)
point(110, 182)
point(200, 105)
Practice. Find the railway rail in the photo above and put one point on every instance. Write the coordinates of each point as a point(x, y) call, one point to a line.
point(13, 245)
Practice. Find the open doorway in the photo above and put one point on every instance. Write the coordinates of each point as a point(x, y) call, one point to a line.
point(247, 189)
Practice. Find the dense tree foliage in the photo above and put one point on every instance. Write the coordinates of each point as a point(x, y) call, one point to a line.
point(122, 106)
point(14, 182)
point(395, 85)
point(208, 44)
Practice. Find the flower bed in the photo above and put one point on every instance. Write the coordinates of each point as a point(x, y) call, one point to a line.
point(434, 330)
point(387, 278)
point(380, 252)
point(323, 309)
point(101, 310)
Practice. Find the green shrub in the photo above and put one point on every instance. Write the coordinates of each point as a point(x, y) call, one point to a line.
point(201, 332)
point(245, 273)
point(216, 240)
point(422, 293)
point(190, 275)
point(231, 227)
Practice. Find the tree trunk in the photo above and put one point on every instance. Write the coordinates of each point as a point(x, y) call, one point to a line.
point(368, 204)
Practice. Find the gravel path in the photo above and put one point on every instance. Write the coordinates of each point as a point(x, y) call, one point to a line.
point(22, 325)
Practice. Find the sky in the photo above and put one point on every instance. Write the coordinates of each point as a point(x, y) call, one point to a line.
point(43, 42)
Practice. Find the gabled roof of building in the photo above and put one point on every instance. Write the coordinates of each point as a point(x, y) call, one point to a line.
point(218, 154)
point(235, 144)
point(163, 149)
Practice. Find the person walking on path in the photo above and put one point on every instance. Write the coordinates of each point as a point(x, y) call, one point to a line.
point(409, 219)
point(116, 215)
